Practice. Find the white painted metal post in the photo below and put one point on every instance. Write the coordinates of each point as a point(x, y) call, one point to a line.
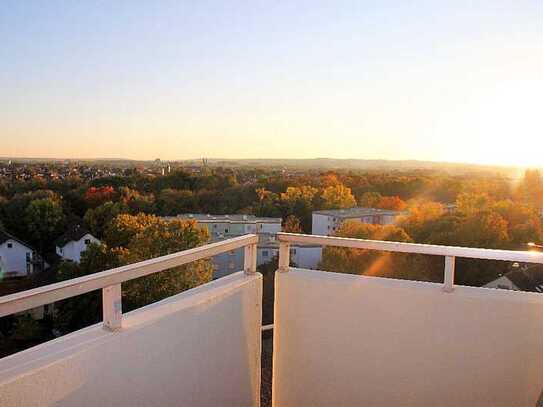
point(112, 307)
point(250, 259)
point(284, 256)
point(448, 279)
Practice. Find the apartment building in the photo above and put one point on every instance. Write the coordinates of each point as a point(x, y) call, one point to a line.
point(222, 227)
point(326, 222)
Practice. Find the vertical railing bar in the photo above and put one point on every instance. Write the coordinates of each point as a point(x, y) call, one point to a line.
point(249, 259)
point(284, 256)
point(112, 307)
point(448, 278)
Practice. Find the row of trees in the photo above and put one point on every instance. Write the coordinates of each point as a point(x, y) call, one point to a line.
point(127, 239)
point(121, 211)
point(479, 220)
point(40, 216)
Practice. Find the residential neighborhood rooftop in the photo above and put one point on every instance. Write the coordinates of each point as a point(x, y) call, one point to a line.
point(5, 236)
point(236, 218)
point(74, 233)
point(357, 212)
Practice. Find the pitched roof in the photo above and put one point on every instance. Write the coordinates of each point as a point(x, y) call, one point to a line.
point(74, 233)
point(528, 279)
point(4, 236)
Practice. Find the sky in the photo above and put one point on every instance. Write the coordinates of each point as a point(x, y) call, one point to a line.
point(457, 81)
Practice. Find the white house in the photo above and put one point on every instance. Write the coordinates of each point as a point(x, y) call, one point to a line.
point(327, 222)
point(16, 256)
point(73, 243)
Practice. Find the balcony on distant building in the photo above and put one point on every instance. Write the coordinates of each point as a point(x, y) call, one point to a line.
point(338, 339)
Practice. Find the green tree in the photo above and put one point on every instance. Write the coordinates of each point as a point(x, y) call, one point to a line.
point(136, 201)
point(45, 220)
point(266, 202)
point(292, 224)
point(472, 203)
point(158, 239)
point(370, 199)
point(143, 237)
point(13, 210)
point(337, 196)
point(174, 202)
point(421, 218)
point(376, 263)
point(99, 218)
point(299, 202)
point(86, 309)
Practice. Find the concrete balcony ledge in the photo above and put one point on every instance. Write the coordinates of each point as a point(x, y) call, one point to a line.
point(339, 339)
point(356, 340)
point(198, 348)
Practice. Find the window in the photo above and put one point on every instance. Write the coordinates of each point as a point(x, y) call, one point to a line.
point(225, 230)
point(87, 241)
point(232, 252)
point(231, 265)
point(10, 245)
point(265, 253)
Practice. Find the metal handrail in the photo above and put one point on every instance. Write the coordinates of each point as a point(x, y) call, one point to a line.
point(450, 252)
point(435, 250)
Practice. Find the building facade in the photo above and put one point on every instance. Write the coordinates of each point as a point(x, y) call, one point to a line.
point(73, 243)
point(327, 222)
point(17, 258)
point(222, 227)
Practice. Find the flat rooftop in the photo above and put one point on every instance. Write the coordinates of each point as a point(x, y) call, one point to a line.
point(357, 212)
point(235, 218)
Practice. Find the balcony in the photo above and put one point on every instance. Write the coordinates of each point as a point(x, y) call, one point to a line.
point(339, 340)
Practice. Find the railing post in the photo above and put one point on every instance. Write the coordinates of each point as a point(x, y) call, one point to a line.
point(448, 279)
point(112, 307)
point(284, 256)
point(249, 259)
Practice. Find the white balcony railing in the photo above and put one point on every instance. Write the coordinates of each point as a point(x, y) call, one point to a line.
point(449, 252)
point(110, 280)
point(200, 347)
point(338, 339)
point(352, 340)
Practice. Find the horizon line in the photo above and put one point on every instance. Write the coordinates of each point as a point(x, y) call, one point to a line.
point(459, 163)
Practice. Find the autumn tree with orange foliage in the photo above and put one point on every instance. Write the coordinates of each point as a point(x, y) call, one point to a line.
point(96, 196)
point(377, 263)
point(394, 203)
point(337, 197)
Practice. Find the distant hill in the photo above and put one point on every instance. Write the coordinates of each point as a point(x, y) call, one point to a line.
point(305, 164)
point(353, 164)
